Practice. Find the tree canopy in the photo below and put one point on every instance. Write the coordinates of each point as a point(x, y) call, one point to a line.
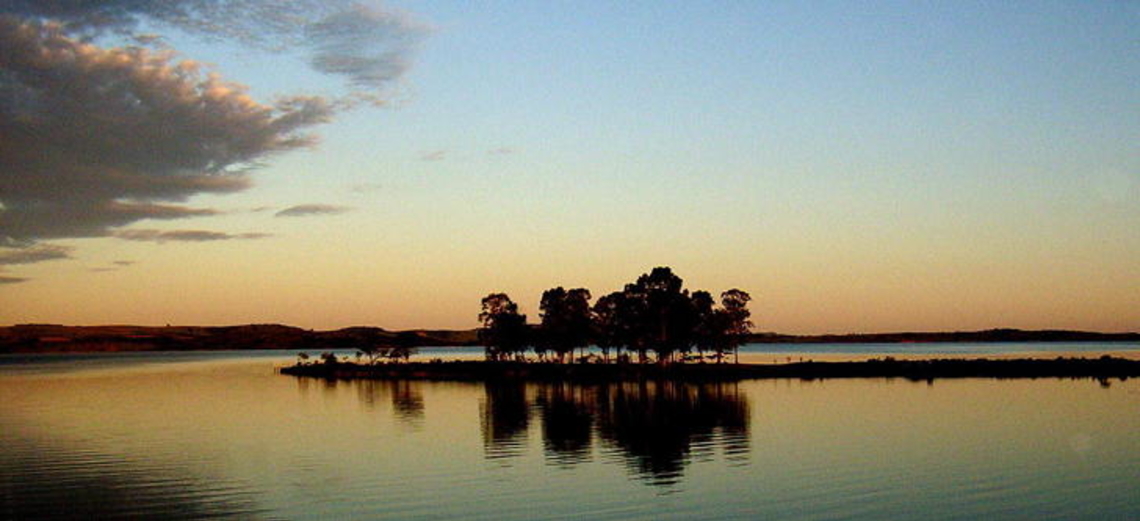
point(654, 314)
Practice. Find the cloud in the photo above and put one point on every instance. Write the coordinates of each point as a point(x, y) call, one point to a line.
point(103, 125)
point(11, 280)
point(501, 151)
point(184, 235)
point(115, 266)
point(369, 46)
point(302, 210)
point(34, 254)
point(433, 155)
point(97, 138)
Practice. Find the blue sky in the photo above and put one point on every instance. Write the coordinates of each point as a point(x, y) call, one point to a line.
point(856, 166)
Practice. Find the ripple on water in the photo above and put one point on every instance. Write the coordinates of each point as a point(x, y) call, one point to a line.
point(53, 482)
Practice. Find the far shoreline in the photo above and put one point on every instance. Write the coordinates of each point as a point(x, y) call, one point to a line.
point(52, 338)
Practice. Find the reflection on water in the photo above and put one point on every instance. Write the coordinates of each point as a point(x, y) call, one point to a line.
point(654, 428)
point(86, 485)
point(405, 397)
point(505, 418)
point(193, 439)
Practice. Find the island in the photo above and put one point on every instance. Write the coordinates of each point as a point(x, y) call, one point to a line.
point(1100, 368)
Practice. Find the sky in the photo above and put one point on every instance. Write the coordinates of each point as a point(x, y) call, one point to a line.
point(854, 166)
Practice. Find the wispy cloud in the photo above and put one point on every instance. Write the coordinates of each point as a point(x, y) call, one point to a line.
point(115, 266)
point(12, 280)
point(303, 210)
point(433, 155)
point(34, 254)
point(184, 235)
point(501, 151)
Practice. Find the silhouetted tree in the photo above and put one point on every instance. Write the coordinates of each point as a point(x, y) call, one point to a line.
point(609, 332)
point(504, 332)
point(566, 320)
point(631, 320)
point(369, 343)
point(405, 344)
point(733, 322)
point(669, 317)
point(704, 335)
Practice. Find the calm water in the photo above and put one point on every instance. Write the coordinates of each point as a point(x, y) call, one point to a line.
point(181, 436)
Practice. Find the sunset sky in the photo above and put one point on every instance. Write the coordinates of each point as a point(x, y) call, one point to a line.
point(855, 166)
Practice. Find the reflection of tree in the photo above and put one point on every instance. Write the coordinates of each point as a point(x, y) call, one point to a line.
point(655, 424)
point(406, 397)
point(407, 400)
point(506, 414)
point(655, 427)
point(567, 421)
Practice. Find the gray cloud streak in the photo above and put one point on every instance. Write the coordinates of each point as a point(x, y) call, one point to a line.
point(184, 235)
point(433, 155)
point(303, 210)
point(34, 254)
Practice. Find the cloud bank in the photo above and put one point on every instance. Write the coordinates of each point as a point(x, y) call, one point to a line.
point(103, 128)
point(95, 138)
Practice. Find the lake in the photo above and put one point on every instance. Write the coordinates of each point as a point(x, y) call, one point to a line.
point(216, 435)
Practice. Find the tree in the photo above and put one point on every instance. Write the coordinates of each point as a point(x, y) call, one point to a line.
point(704, 327)
point(608, 330)
point(504, 332)
point(372, 345)
point(669, 317)
point(566, 320)
point(736, 324)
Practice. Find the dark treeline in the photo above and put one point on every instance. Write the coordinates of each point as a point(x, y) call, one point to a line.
point(653, 315)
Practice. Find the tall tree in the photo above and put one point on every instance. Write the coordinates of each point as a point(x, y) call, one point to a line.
point(704, 327)
point(566, 320)
point(504, 332)
point(737, 325)
point(669, 317)
point(609, 331)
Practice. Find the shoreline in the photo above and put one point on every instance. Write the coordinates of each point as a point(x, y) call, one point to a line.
point(1101, 368)
point(44, 338)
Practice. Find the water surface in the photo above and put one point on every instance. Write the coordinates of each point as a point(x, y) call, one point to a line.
point(210, 435)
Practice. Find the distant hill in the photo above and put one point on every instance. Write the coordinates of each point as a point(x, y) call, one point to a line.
point(47, 338)
point(37, 338)
point(989, 335)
